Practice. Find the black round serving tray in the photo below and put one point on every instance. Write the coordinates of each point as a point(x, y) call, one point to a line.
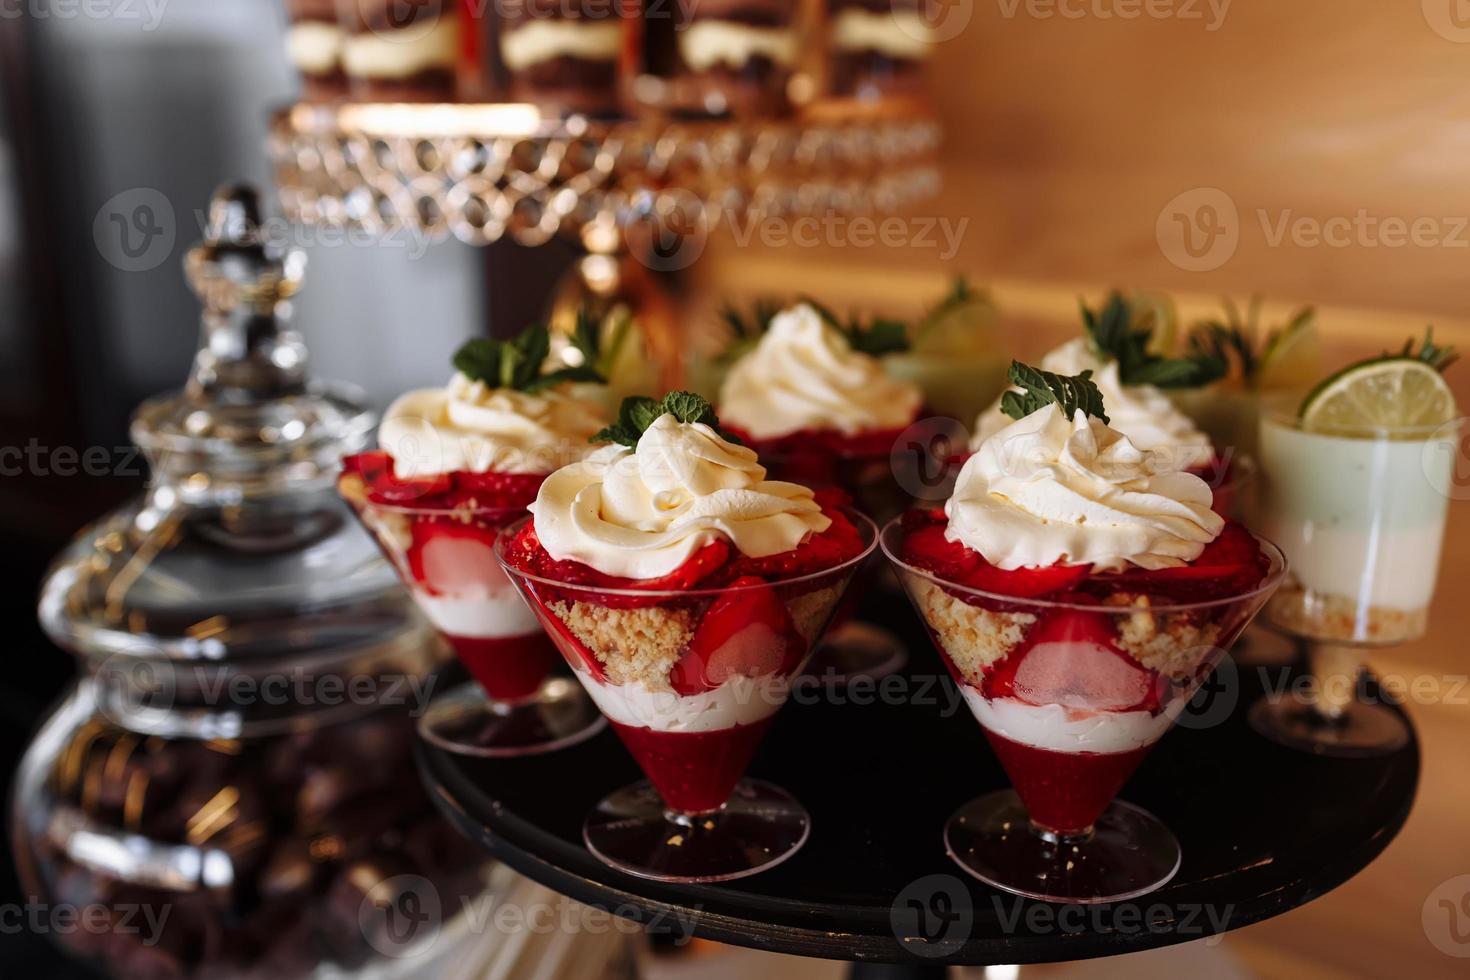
point(880, 768)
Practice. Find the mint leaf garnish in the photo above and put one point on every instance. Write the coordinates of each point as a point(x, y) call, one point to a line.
point(1042, 388)
point(637, 413)
point(1438, 358)
point(520, 363)
point(1115, 337)
point(1239, 342)
point(882, 336)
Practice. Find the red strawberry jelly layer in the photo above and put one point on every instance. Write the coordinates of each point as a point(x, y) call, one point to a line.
point(441, 491)
point(509, 668)
point(693, 771)
point(714, 566)
point(1065, 792)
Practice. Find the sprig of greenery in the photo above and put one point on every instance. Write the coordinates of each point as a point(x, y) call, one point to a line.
point(746, 329)
point(520, 363)
point(637, 413)
point(1438, 358)
point(880, 336)
point(1239, 339)
point(1114, 335)
point(1042, 388)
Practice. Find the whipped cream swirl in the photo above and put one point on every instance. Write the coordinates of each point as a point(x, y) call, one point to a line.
point(642, 513)
point(1141, 412)
point(804, 375)
point(1045, 490)
point(471, 427)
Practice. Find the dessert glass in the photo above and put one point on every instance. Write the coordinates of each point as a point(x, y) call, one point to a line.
point(1070, 728)
point(695, 818)
point(861, 467)
point(446, 559)
point(1361, 515)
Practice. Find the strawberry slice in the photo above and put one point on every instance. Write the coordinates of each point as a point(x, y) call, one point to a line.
point(507, 490)
point(927, 548)
point(1025, 583)
point(743, 632)
point(1231, 564)
point(1070, 658)
point(453, 558)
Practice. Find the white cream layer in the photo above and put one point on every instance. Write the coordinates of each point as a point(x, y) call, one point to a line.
point(402, 54)
point(491, 616)
point(740, 700)
point(1060, 729)
point(315, 48)
point(706, 43)
point(899, 34)
point(539, 41)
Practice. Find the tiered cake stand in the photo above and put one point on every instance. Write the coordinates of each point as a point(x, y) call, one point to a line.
point(641, 195)
point(480, 173)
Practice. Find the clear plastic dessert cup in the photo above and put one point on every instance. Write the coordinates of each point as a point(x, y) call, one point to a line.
point(1072, 695)
point(690, 681)
point(862, 467)
point(446, 559)
point(1361, 515)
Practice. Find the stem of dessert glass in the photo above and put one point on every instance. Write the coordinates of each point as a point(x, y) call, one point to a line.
point(1335, 670)
point(1061, 838)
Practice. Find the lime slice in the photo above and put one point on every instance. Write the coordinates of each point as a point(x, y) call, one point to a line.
point(1156, 310)
point(1293, 358)
point(959, 327)
point(1387, 392)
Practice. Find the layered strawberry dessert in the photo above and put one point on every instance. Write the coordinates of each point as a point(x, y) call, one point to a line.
point(684, 588)
point(814, 401)
point(1116, 353)
point(1079, 588)
point(455, 465)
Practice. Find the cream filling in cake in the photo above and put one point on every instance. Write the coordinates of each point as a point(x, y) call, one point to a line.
point(314, 47)
point(707, 43)
point(539, 41)
point(740, 700)
point(402, 54)
point(899, 34)
point(1061, 729)
point(490, 616)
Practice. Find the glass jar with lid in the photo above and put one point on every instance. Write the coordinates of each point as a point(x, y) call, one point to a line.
point(229, 788)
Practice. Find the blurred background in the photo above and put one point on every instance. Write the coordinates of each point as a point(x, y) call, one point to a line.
point(1311, 152)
